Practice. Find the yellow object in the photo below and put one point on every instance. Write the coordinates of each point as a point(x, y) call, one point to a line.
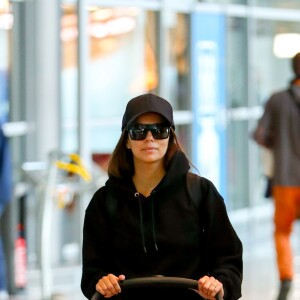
point(77, 167)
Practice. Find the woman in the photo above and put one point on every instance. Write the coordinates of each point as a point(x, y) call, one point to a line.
point(155, 228)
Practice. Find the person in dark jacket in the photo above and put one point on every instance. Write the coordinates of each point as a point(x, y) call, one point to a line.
point(155, 228)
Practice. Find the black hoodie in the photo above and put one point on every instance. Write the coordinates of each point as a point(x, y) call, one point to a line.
point(164, 234)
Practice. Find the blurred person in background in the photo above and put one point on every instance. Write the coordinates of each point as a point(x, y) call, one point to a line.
point(5, 197)
point(279, 130)
point(156, 229)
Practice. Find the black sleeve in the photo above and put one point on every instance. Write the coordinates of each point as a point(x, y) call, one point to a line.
point(95, 247)
point(263, 133)
point(224, 248)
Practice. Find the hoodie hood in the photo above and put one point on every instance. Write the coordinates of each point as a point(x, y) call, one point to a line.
point(179, 166)
point(125, 189)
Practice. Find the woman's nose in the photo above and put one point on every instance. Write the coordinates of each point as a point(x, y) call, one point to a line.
point(149, 136)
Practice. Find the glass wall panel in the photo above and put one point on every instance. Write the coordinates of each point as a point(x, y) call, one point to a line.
point(272, 49)
point(236, 62)
point(224, 1)
point(122, 64)
point(238, 170)
point(176, 60)
point(68, 214)
point(176, 69)
point(272, 52)
point(69, 74)
point(237, 95)
point(290, 4)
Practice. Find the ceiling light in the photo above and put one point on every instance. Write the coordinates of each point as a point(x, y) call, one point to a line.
point(286, 45)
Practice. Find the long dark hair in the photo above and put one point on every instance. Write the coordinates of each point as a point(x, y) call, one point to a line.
point(121, 161)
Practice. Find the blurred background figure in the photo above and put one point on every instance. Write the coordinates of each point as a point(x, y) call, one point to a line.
point(278, 130)
point(5, 197)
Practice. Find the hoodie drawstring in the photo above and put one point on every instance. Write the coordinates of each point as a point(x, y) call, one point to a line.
point(137, 195)
point(153, 225)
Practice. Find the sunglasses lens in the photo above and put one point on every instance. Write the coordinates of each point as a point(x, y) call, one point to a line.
point(139, 132)
point(159, 132)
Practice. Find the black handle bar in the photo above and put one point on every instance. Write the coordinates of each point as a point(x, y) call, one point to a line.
point(157, 281)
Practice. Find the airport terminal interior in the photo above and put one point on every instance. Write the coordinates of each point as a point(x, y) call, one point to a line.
point(67, 70)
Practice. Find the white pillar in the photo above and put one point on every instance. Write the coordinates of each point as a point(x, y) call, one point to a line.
point(47, 124)
point(47, 41)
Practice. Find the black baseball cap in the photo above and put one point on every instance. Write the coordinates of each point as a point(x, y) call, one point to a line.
point(144, 104)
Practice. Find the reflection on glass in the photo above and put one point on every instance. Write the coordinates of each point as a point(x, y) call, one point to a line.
point(238, 170)
point(290, 4)
point(237, 137)
point(224, 1)
point(267, 76)
point(176, 68)
point(176, 60)
point(69, 73)
point(236, 60)
point(122, 63)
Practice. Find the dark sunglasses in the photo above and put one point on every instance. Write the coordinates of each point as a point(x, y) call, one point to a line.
point(139, 132)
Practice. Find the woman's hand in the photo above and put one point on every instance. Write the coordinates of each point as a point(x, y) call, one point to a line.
point(209, 287)
point(108, 285)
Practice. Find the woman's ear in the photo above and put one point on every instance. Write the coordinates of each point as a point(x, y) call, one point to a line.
point(128, 144)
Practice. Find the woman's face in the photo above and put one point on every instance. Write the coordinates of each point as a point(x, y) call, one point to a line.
point(148, 150)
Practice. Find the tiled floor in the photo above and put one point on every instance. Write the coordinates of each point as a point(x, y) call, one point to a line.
point(255, 229)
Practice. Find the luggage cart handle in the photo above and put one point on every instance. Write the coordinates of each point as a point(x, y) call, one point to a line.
point(157, 281)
